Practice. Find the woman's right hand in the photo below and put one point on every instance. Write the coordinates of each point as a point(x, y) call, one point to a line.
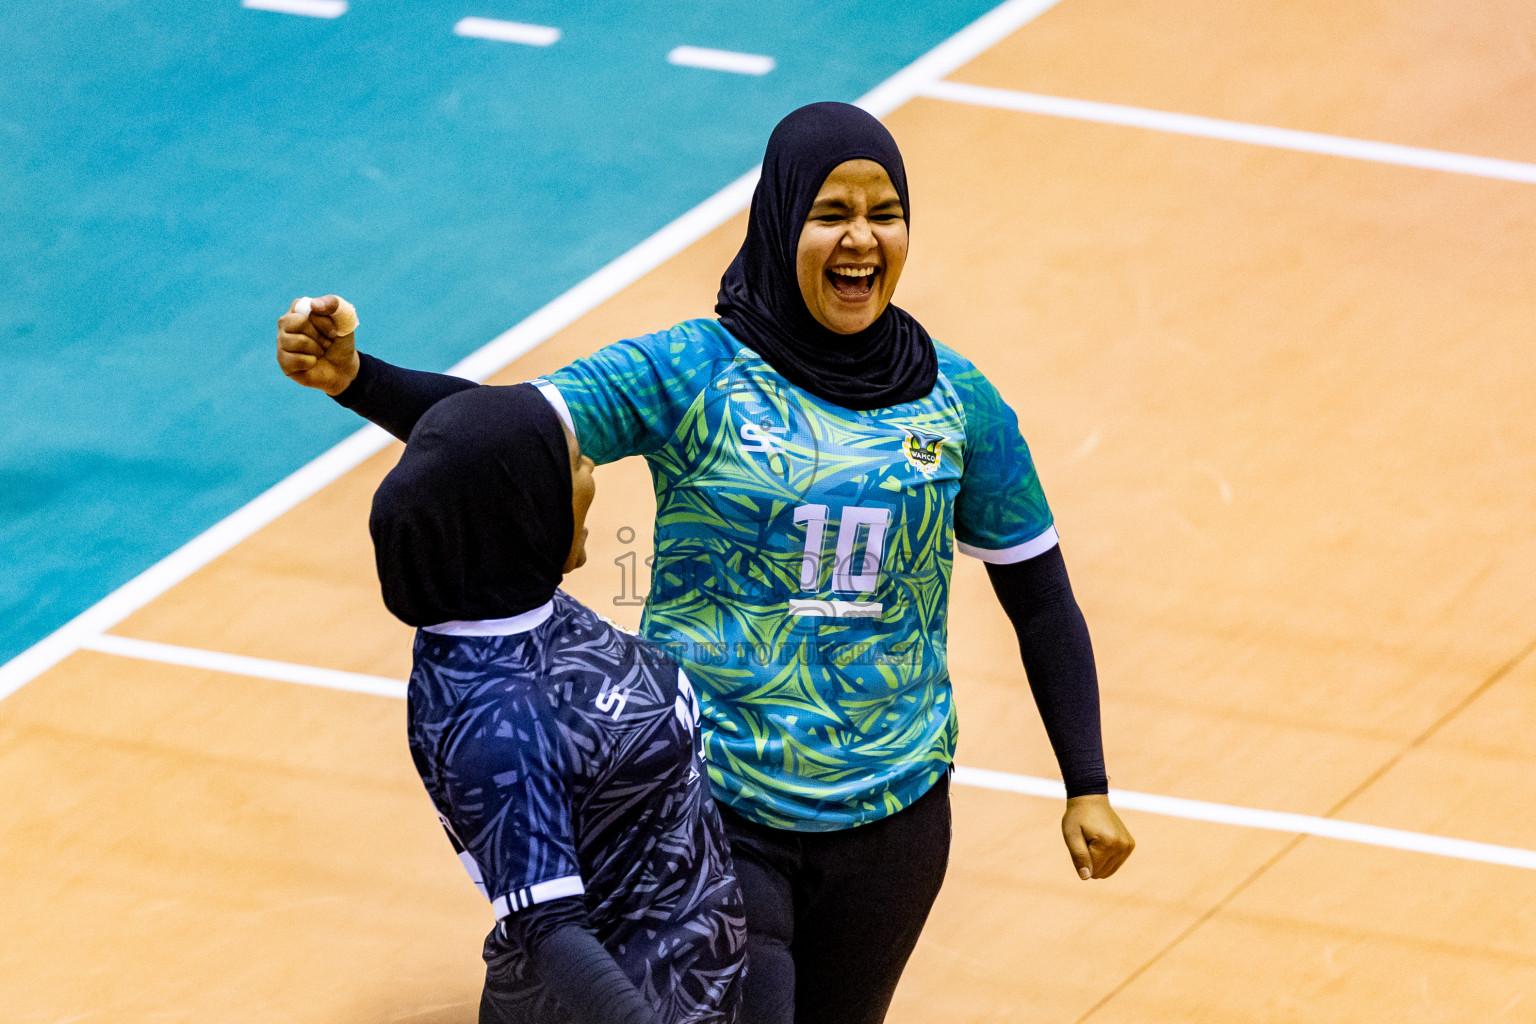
point(311, 352)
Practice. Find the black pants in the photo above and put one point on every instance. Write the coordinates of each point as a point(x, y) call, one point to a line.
point(833, 916)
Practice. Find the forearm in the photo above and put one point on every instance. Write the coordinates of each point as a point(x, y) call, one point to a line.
point(569, 960)
point(1058, 658)
point(394, 397)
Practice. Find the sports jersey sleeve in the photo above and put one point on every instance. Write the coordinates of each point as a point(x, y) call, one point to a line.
point(570, 961)
point(1001, 515)
point(508, 807)
point(628, 397)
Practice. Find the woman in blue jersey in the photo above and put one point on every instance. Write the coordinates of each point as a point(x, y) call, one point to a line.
point(817, 457)
point(562, 754)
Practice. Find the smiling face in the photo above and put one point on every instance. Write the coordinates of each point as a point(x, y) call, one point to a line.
point(852, 247)
point(583, 489)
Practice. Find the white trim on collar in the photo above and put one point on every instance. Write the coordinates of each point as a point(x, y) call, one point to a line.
point(526, 622)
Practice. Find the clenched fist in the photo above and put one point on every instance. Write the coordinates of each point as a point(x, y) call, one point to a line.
point(1096, 837)
point(316, 343)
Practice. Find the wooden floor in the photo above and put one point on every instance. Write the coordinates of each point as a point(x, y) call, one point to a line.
point(1281, 404)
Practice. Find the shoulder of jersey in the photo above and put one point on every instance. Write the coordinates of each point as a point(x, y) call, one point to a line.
point(702, 336)
point(626, 636)
point(617, 625)
point(952, 362)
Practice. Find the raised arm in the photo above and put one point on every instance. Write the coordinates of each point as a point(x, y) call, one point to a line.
point(628, 397)
point(313, 350)
point(394, 397)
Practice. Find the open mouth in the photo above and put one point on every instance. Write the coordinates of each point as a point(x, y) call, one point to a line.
point(853, 284)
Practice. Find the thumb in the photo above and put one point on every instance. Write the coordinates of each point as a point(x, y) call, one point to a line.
point(1077, 845)
point(325, 305)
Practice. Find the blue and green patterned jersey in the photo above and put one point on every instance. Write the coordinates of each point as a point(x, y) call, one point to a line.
point(803, 555)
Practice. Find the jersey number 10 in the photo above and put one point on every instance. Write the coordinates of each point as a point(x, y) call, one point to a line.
point(845, 578)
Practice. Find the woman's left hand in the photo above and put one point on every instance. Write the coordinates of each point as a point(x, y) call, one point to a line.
point(1096, 837)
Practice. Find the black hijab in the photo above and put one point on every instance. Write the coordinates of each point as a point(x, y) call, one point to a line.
point(475, 521)
point(889, 362)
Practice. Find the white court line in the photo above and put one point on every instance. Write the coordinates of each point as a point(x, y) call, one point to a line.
point(921, 77)
point(309, 8)
point(507, 31)
point(1248, 817)
point(1232, 131)
point(240, 665)
point(500, 351)
point(720, 60)
point(1028, 785)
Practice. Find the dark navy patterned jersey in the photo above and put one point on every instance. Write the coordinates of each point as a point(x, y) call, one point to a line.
point(565, 760)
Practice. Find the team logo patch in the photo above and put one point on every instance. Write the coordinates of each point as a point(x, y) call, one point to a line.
point(923, 451)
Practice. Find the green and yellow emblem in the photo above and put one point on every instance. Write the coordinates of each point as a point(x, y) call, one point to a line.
point(923, 451)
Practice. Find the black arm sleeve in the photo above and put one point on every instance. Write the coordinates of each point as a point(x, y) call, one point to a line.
point(1058, 658)
point(578, 971)
point(394, 397)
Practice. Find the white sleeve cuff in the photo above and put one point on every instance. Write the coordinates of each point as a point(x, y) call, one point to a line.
point(542, 892)
point(553, 396)
point(1018, 553)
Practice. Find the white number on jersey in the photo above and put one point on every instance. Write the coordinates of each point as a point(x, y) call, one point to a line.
point(873, 521)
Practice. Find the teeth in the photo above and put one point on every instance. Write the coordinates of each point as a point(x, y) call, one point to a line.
point(853, 271)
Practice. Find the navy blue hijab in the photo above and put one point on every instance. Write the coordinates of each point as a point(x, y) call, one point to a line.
point(889, 362)
point(475, 521)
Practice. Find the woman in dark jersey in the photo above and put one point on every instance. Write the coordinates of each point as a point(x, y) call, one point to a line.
point(562, 753)
point(818, 460)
